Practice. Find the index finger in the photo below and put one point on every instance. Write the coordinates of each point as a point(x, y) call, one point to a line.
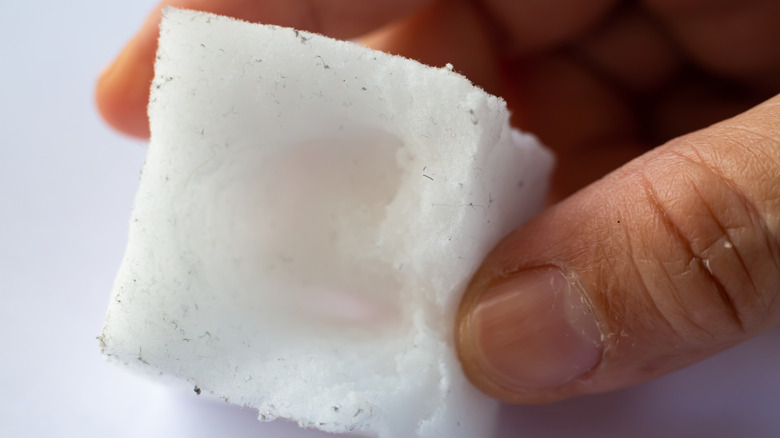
point(122, 92)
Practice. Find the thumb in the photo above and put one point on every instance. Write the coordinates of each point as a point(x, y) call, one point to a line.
point(662, 263)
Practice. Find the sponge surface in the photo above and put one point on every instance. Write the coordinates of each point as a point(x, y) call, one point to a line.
point(309, 214)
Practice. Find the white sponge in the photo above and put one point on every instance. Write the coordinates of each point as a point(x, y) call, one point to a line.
point(309, 214)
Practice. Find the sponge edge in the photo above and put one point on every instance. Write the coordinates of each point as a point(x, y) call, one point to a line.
point(309, 214)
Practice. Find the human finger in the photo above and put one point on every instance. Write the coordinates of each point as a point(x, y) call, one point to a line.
point(123, 88)
point(667, 260)
point(532, 26)
point(445, 32)
point(736, 38)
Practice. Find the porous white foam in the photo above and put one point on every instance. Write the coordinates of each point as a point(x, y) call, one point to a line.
point(308, 216)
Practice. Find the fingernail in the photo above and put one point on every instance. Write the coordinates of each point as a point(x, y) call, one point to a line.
point(533, 331)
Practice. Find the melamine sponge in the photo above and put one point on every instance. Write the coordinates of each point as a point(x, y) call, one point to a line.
point(309, 214)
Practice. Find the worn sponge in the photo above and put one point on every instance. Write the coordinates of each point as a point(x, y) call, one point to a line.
point(309, 214)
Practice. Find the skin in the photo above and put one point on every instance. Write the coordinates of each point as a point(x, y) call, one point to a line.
point(629, 90)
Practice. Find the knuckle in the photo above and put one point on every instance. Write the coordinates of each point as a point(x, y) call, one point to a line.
point(721, 261)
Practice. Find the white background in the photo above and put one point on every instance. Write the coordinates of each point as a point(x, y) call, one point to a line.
point(66, 189)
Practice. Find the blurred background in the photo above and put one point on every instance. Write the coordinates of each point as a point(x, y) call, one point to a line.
point(66, 190)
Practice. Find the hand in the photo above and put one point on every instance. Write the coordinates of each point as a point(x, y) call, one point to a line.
point(666, 260)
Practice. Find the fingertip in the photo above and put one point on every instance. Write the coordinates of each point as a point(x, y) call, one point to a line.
point(122, 92)
point(528, 337)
